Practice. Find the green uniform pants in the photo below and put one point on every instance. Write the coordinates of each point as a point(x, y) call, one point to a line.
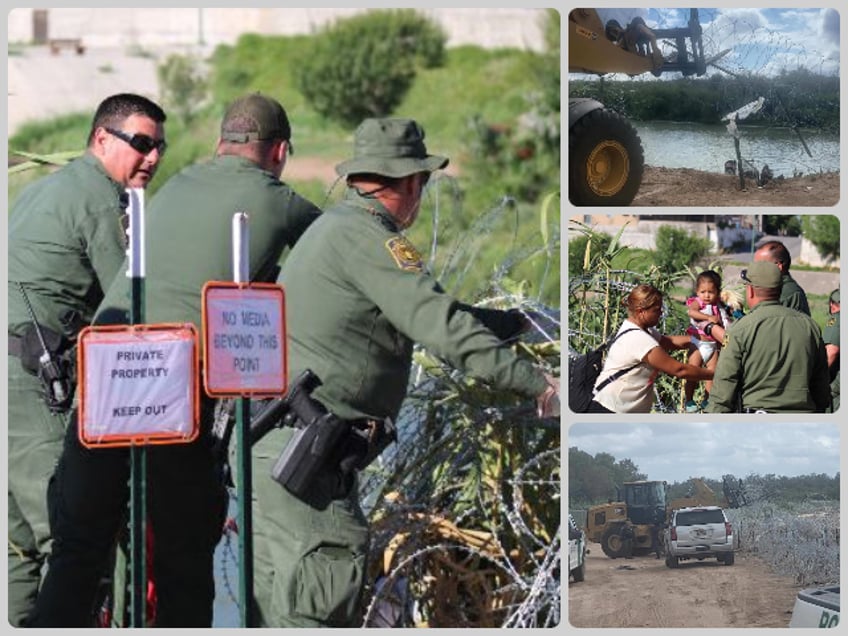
point(35, 444)
point(309, 557)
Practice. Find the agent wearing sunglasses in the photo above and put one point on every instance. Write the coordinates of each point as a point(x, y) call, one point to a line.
point(65, 246)
point(150, 149)
point(773, 360)
point(188, 229)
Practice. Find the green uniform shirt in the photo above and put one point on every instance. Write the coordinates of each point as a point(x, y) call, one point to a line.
point(792, 296)
point(188, 231)
point(773, 358)
point(830, 335)
point(357, 299)
point(65, 243)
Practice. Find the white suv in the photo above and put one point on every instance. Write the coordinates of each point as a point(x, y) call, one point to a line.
point(698, 533)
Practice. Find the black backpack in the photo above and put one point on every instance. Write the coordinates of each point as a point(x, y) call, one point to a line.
point(583, 371)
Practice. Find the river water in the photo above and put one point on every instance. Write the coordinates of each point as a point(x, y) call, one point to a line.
point(707, 147)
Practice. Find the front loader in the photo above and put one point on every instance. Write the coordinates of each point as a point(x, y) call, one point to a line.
point(645, 508)
point(605, 153)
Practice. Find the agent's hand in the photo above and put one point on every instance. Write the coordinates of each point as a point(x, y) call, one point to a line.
point(547, 402)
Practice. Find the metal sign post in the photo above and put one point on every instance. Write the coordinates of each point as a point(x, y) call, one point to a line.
point(138, 454)
point(244, 356)
point(241, 274)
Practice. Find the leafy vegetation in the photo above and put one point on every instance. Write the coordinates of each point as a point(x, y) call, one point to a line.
point(782, 224)
point(678, 249)
point(363, 66)
point(823, 232)
point(793, 99)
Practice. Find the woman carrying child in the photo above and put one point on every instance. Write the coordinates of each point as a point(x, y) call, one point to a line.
point(638, 355)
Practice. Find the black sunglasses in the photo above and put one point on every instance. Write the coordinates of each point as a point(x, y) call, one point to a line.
point(139, 142)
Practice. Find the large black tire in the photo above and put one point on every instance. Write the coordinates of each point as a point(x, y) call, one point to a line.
point(611, 543)
point(672, 561)
point(729, 558)
point(606, 160)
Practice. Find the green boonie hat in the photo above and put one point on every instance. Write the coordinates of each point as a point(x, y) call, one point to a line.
point(762, 274)
point(834, 296)
point(391, 147)
point(253, 118)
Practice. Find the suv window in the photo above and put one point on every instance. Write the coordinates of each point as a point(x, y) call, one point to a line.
point(699, 517)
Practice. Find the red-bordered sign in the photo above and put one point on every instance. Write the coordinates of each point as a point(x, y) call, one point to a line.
point(138, 384)
point(244, 339)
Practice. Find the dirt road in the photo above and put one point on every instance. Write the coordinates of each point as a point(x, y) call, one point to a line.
point(643, 592)
point(685, 187)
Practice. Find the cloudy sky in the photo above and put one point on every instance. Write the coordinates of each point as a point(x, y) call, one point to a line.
point(762, 41)
point(678, 451)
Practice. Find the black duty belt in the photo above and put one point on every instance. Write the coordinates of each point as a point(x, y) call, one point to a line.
point(15, 345)
point(753, 410)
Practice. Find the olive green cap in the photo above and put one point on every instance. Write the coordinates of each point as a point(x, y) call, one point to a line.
point(763, 274)
point(255, 117)
point(391, 147)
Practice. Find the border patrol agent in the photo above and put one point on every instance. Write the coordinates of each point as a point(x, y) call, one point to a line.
point(357, 298)
point(189, 225)
point(830, 335)
point(773, 360)
point(65, 246)
point(791, 294)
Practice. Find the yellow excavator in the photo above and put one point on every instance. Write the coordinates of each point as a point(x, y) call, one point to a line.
point(643, 507)
point(605, 153)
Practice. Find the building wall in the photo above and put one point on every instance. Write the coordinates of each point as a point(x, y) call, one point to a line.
point(143, 27)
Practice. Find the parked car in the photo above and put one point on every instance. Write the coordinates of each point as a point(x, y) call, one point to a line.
point(576, 551)
point(816, 607)
point(698, 533)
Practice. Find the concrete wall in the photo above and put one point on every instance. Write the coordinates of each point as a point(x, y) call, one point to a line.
point(810, 256)
point(147, 27)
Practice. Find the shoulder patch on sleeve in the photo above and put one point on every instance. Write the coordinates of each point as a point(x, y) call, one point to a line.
point(405, 254)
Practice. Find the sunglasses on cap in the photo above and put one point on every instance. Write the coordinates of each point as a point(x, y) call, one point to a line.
point(744, 276)
point(139, 142)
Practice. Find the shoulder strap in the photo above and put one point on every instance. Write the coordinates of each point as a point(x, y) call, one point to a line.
point(615, 376)
point(617, 336)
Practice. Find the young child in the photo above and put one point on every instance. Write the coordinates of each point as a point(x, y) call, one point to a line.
point(705, 306)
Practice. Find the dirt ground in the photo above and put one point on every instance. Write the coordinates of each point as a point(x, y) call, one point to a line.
point(643, 592)
point(685, 187)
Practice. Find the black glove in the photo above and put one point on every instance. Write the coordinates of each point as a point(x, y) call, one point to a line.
point(506, 325)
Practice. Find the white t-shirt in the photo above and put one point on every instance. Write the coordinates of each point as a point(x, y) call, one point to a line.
point(632, 392)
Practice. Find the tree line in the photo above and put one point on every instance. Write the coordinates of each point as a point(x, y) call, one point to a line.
point(794, 99)
point(592, 479)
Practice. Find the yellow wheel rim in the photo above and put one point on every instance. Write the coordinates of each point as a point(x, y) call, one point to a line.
point(615, 543)
point(607, 168)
